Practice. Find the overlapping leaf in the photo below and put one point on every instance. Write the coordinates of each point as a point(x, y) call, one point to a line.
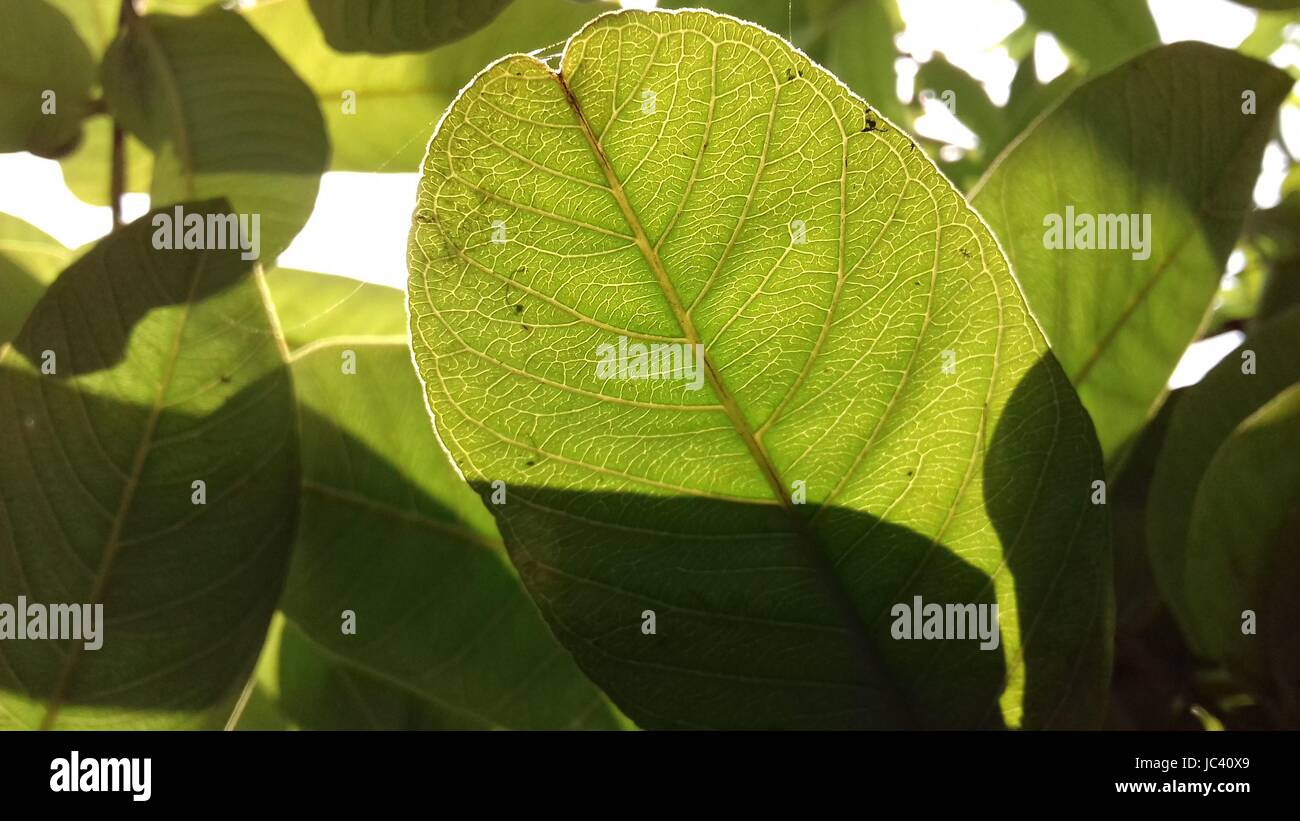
point(390, 532)
point(139, 374)
point(1246, 380)
point(1103, 32)
point(386, 26)
point(379, 109)
point(45, 79)
point(224, 116)
point(1243, 552)
point(866, 346)
point(1120, 151)
point(30, 259)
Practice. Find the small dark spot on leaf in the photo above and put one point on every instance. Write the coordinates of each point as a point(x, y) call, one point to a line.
point(519, 309)
point(424, 216)
point(225, 378)
point(789, 74)
point(530, 463)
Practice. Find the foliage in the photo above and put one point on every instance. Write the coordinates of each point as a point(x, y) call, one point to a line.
point(308, 502)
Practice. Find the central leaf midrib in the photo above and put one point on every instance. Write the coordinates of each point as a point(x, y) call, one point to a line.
point(811, 546)
point(127, 500)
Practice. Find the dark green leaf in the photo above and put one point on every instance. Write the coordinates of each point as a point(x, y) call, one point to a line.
point(139, 373)
point(1204, 419)
point(390, 532)
point(388, 26)
point(1102, 32)
point(45, 79)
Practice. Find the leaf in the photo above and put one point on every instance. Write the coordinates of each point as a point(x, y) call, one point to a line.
point(1239, 543)
point(387, 26)
point(1273, 5)
point(30, 259)
point(997, 127)
point(1120, 323)
point(1204, 419)
point(825, 366)
point(1281, 291)
point(300, 686)
point(224, 116)
point(317, 309)
point(95, 23)
point(1102, 32)
point(166, 372)
point(399, 98)
point(1269, 34)
point(390, 532)
point(854, 39)
point(45, 79)
point(87, 170)
point(860, 49)
point(971, 102)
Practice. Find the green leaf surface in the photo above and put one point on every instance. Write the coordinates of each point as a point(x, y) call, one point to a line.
point(1119, 322)
point(139, 373)
point(1240, 545)
point(824, 366)
point(388, 26)
point(301, 686)
point(1102, 32)
point(46, 75)
point(30, 259)
point(1270, 5)
point(1204, 419)
point(392, 533)
point(224, 116)
point(399, 98)
point(87, 171)
point(318, 309)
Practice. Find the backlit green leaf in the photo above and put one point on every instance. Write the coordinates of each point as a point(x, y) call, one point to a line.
point(688, 179)
point(30, 259)
point(1165, 195)
point(318, 309)
point(224, 116)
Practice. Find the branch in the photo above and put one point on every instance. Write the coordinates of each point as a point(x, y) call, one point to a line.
point(117, 167)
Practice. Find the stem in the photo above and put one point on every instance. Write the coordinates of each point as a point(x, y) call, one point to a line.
point(117, 167)
point(117, 174)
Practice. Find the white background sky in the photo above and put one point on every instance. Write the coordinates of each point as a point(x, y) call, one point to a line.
point(360, 222)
